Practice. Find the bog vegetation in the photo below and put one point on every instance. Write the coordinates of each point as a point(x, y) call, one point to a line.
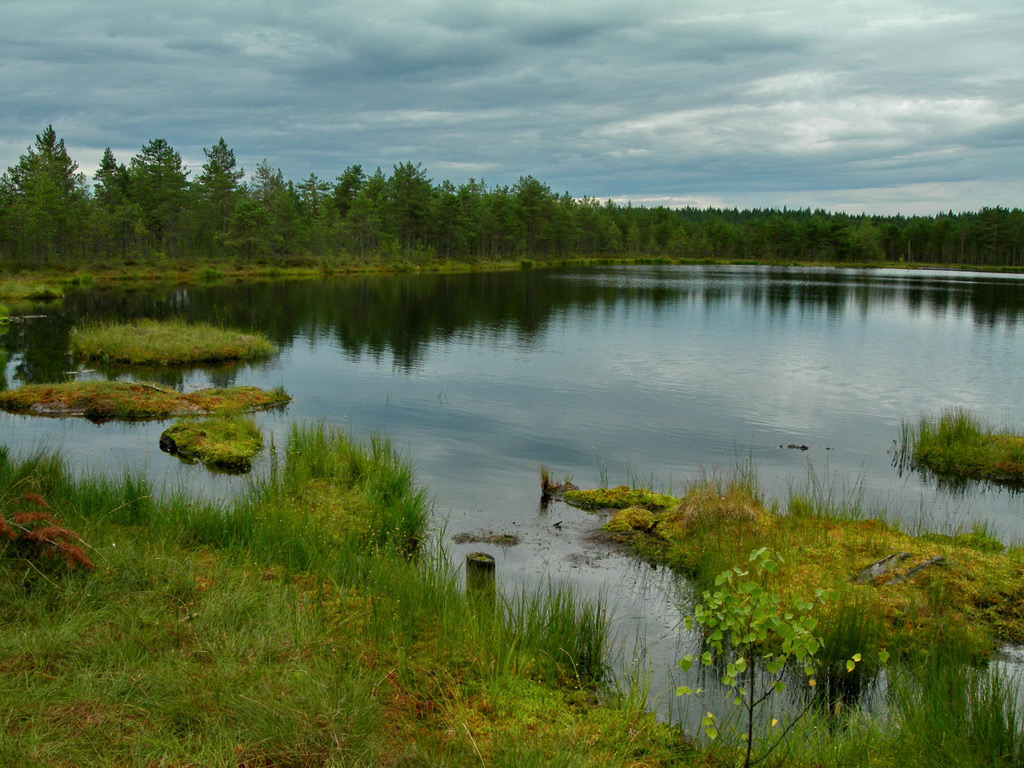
point(225, 442)
point(133, 400)
point(154, 208)
point(970, 588)
point(310, 622)
point(958, 446)
point(167, 342)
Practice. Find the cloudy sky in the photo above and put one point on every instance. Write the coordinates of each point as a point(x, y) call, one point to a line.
point(912, 106)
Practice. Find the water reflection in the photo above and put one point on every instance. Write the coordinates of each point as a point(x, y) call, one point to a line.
point(398, 317)
point(603, 374)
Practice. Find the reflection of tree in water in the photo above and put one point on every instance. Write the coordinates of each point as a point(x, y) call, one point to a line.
point(401, 315)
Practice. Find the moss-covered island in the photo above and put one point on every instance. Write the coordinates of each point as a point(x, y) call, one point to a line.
point(958, 446)
point(133, 400)
point(969, 590)
point(166, 342)
point(225, 442)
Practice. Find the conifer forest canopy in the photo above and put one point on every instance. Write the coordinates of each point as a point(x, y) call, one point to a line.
point(153, 206)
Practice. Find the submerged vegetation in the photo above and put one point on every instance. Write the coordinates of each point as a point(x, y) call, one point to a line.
point(226, 442)
point(958, 446)
point(309, 622)
point(168, 342)
point(970, 589)
point(132, 401)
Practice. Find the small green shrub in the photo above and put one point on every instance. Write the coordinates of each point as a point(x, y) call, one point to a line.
point(761, 642)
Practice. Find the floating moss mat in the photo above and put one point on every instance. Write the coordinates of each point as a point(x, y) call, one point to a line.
point(153, 342)
point(224, 443)
point(132, 401)
point(970, 593)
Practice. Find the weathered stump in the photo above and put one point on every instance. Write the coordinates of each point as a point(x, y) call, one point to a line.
point(480, 572)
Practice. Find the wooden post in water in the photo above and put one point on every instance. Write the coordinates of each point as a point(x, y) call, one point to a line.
point(480, 574)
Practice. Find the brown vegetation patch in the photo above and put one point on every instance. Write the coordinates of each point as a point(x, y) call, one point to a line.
point(132, 401)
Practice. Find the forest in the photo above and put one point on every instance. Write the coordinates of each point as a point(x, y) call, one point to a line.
point(154, 207)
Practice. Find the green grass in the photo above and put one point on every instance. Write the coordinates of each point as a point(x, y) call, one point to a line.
point(133, 401)
point(959, 446)
point(310, 622)
point(825, 537)
point(172, 342)
point(226, 442)
point(28, 289)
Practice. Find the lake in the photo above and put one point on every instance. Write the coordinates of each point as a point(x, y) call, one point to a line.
point(640, 374)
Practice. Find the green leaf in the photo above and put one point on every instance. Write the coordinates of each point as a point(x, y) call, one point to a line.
point(757, 554)
point(683, 690)
point(686, 662)
point(850, 665)
point(856, 657)
point(883, 656)
point(712, 732)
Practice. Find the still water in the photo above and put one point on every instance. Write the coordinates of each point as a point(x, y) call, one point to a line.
point(646, 374)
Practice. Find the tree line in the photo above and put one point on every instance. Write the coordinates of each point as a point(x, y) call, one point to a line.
point(51, 214)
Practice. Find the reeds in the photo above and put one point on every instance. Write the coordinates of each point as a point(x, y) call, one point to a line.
point(959, 446)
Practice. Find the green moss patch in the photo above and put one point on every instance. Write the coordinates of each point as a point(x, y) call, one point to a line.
point(132, 401)
point(959, 446)
point(226, 443)
point(974, 599)
point(619, 498)
point(152, 342)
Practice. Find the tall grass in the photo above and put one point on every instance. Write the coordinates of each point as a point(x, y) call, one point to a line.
point(949, 712)
point(958, 446)
point(310, 622)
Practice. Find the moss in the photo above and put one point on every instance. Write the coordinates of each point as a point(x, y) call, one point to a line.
point(630, 519)
point(132, 401)
point(152, 342)
point(225, 442)
point(974, 601)
point(620, 497)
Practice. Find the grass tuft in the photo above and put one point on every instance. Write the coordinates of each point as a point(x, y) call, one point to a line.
point(174, 342)
point(958, 446)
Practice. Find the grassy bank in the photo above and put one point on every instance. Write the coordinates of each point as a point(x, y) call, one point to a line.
point(957, 445)
point(132, 401)
point(184, 271)
point(28, 287)
point(973, 597)
point(169, 342)
point(307, 623)
point(226, 442)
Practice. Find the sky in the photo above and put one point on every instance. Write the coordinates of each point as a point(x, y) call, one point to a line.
point(894, 106)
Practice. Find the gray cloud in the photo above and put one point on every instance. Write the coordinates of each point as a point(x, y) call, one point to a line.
point(864, 105)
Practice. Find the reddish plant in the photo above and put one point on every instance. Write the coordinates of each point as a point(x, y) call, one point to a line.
point(37, 535)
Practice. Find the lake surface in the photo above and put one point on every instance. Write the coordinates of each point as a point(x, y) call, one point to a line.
point(645, 374)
